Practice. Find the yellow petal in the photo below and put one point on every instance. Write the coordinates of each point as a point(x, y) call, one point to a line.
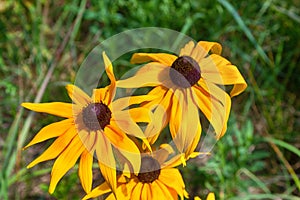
point(98, 191)
point(174, 161)
point(163, 187)
point(187, 133)
point(163, 58)
point(215, 104)
point(174, 181)
point(176, 112)
point(85, 170)
point(159, 120)
point(127, 125)
point(77, 95)
point(106, 161)
point(210, 196)
point(146, 192)
point(99, 95)
point(56, 148)
point(197, 198)
point(151, 74)
point(137, 191)
point(218, 70)
point(125, 102)
point(190, 150)
point(65, 162)
point(56, 108)
point(187, 49)
point(214, 47)
point(50, 131)
point(126, 146)
point(110, 73)
point(156, 192)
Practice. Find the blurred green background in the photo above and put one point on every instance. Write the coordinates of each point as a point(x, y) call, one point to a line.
point(42, 44)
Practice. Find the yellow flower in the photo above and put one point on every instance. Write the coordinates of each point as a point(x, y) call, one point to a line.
point(94, 125)
point(157, 180)
point(210, 196)
point(182, 85)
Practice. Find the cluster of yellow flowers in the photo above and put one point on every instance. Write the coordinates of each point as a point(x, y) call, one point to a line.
point(131, 160)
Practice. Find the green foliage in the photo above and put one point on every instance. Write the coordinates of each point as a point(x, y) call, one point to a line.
point(258, 158)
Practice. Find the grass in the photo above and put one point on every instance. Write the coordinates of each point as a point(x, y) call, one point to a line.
point(43, 43)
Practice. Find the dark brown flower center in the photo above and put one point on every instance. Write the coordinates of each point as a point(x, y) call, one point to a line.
point(96, 115)
point(149, 171)
point(185, 72)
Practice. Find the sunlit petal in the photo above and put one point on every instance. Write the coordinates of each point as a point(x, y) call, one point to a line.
point(164, 189)
point(50, 131)
point(77, 95)
point(98, 191)
point(56, 108)
point(218, 70)
point(187, 49)
point(56, 148)
point(214, 47)
point(111, 76)
point(163, 58)
point(65, 161)
point(153, 74)
point(85, 170)
point(106, 161)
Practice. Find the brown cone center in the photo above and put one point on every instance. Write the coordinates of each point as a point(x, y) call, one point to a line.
point(96, 115)
point(185, 72)
point(150, 170)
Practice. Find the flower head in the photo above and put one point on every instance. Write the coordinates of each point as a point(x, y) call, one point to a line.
point(157, 179)
point(182, 85)
point(94, 125)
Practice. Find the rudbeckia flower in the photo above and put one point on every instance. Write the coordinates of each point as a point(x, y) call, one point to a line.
point(94, 125)
point(158, 179)
point(182, 85)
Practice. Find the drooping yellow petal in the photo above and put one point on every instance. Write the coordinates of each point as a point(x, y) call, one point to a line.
point(126, 146)
point(186, 133)
point(106, 161)
point(56, 108)
point(163, 58)
point(110, 73)
point(125, 102)
point(65, 161)
point(50, 131)
point(190, 150)
point(56, 148)
point(127, 125)
point(174, 161)
point(98, 191)
point(77, 95)
point(217, 106)
point(85, 170)
point(174, 181)
point(218, 70)
point(214, 47)
point(152, 74)
point(176, 112)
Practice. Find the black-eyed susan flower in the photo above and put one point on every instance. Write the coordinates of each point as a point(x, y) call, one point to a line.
point(94, 125)
point(182, 85)
point(158, 179)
